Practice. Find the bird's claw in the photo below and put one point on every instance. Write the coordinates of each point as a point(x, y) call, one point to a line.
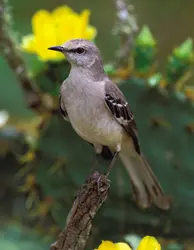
point(101, 182)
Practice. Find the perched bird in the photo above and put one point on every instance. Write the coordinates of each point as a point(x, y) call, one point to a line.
point(100, 114)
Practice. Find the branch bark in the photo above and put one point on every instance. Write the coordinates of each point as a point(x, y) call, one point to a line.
point(79, 222)
point(15, 61)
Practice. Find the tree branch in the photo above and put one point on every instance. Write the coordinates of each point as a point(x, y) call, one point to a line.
point(79, 222)
point(14, 59)
point(126, 26)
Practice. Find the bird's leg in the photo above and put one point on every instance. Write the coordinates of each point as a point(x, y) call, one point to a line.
point(112, 163)
point(95, 162)
point(98, 151)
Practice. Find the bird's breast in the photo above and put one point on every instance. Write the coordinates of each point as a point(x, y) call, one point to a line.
point(89, 116)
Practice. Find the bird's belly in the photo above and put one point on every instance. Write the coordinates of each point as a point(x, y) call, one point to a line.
point(96, 126)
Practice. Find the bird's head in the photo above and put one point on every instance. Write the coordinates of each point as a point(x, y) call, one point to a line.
point(80, 52)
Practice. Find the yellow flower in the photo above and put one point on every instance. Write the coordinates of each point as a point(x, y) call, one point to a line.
point(147, 243)
point(108, 245)
point(55, 28)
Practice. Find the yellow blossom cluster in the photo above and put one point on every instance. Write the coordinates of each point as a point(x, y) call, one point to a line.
point(147, 243)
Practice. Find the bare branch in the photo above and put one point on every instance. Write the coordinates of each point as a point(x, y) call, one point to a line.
point(14, 59)
point(79, 222)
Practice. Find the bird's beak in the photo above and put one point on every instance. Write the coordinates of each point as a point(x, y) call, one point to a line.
point(57, 48)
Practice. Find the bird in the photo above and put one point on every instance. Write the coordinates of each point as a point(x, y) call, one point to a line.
point(100, 114)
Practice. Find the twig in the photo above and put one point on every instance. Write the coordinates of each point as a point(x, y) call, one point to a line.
point(14, 59)
point(79, 222)
point(126, 26)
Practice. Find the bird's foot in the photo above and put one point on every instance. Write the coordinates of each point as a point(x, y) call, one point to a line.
point(101, 180)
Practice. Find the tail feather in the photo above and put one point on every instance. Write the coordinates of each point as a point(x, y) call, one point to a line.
point(145, 185)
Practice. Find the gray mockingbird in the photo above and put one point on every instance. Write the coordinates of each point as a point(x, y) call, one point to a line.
point(101, 115)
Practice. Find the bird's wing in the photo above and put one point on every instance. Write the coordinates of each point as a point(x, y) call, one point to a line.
point(63, 109)
point(120, 109)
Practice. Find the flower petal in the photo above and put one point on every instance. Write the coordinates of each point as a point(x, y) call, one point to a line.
point(40, 19)
point(65, 27)
point(106, 245)
point(122, 246)
point(61, 12)
point(28, 43)
point(45, 35)
point(84, 19)
point(46, 55)
point(44, 28)
point(149, 243)
point(90, 32)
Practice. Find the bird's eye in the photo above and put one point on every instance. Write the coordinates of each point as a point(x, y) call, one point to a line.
point(80, 50)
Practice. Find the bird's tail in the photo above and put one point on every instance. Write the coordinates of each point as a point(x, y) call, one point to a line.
point(145, 185)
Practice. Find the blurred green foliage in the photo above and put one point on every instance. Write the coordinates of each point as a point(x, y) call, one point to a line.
point(14, 236)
